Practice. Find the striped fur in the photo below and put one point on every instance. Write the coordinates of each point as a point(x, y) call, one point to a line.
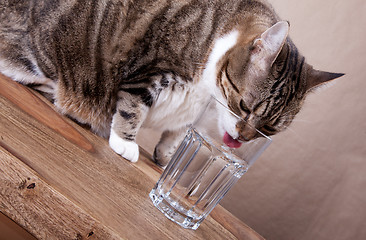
point(111, 63)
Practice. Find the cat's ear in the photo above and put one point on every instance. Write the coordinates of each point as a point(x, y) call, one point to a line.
point(318, 78)
point(270, 43)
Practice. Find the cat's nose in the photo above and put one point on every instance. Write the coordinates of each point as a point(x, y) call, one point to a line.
point(246, 132)
point(247, 136)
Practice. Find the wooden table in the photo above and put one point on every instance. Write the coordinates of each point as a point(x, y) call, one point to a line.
point(60, 181)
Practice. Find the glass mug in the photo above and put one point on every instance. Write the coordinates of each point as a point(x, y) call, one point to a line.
point(204, 168)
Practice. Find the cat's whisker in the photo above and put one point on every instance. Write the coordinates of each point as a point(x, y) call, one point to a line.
point(292, 118)
point(301, 120)
point(295, 134)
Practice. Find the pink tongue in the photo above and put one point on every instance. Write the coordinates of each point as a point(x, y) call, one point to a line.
point(230, 142)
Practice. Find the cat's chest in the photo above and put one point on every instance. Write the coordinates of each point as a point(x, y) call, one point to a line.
point(178, 105)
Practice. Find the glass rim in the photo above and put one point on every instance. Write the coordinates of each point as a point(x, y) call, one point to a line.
point(234, 114)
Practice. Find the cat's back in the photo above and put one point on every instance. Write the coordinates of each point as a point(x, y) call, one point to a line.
point(115, 26)
point(14, 19)
point(13, 14)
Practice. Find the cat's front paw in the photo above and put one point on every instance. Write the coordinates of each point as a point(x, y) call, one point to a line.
point(127, 149)
point(167, 146)
point(163, 154)
point(160, 158)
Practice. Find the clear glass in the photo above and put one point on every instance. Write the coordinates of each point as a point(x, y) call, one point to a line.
point(203, 169)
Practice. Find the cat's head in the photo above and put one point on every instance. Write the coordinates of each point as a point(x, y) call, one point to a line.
point(265, 81)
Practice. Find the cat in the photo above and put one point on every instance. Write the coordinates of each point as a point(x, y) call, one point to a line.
point(119, 65)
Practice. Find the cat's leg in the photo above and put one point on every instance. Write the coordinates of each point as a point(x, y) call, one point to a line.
point(127, 120)
point(168, 144)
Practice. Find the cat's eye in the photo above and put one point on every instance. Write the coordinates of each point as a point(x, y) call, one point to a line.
point(244, 107)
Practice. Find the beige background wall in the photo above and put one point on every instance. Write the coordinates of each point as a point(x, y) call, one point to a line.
point(311, 182)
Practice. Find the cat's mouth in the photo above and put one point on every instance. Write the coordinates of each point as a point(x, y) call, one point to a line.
point(230, 141)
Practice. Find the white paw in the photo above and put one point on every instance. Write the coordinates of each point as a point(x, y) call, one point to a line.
point(127, 149)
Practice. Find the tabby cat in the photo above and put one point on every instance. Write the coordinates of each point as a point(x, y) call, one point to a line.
point(118, 65)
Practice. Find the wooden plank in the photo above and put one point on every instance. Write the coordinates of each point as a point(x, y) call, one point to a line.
point(11, 230)
point(34, 106)
point(40, 209)
point(234, 225)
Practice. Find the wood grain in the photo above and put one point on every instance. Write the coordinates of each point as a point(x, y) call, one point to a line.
point(40, 209)
point(11, 230)
point(31, 104)
point(111, 190)
point(234, 225)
